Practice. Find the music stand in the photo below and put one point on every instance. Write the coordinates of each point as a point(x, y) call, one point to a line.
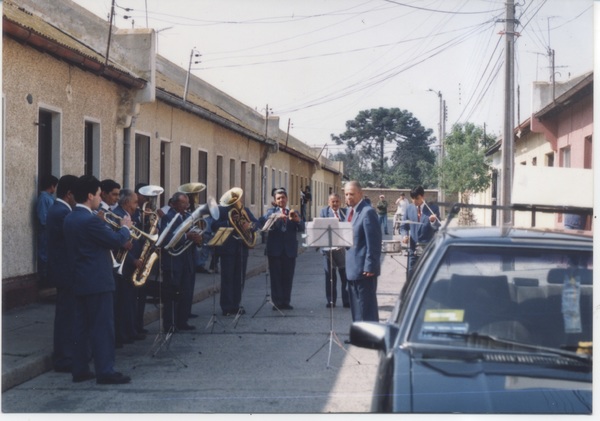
point(162, 340)
point(268, 225)
point(329, 232)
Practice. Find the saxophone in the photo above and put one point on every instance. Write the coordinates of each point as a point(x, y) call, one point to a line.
point(148, 256)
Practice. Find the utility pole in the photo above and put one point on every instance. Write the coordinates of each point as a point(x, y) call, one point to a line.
point(193, 54)
point(508, 135)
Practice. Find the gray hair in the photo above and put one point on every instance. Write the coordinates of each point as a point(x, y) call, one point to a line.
point(125, 196)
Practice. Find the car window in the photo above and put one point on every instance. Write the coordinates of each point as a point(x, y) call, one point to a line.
point(533, 296)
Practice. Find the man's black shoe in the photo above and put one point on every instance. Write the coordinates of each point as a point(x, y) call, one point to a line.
point(329, 305)
point(347, 305)
point(347, 341)
point(78, 378)
point(114, 378)
point(201, 269)
point(193, 316)
point(186, 327)
point(286, 307)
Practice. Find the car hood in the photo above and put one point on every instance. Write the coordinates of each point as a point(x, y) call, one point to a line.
point(459, 386)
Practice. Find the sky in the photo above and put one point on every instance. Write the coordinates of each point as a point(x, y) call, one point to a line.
point(317, 63)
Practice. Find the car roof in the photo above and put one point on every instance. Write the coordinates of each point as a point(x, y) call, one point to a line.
point(499, 235)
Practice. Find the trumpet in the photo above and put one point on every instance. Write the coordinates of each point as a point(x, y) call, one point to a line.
point(115, 220)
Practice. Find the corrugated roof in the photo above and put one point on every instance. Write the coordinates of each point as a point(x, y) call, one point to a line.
point(25, 19)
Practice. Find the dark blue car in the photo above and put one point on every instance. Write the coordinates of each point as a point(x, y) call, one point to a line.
point(492, 321)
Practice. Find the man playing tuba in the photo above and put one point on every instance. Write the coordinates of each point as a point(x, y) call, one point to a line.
point(233, 253)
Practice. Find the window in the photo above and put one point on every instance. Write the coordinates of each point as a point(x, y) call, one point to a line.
point(264, 185)
point(587, 152)
point(550, 159)
point(243, 177)
point(534, 161)
point(565, 157)
point(203, 174)
point(219, 176)
point(165, 169)
point(91, 149)
point(231, 173)
point(142, 159)
point(185, 165)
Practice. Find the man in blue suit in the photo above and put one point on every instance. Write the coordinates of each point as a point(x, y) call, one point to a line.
point(59, 274)
point(363, 264)
point(233, 255)
point(179, 272)
point(89, 241)
point(421, 221)
point(334, 258)
point(282, 249)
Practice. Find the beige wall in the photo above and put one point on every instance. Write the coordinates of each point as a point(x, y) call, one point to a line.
point(75, 96)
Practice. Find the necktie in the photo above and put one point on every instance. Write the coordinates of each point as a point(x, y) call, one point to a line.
point(351, 214)
point(336, 214)
point(418, 213)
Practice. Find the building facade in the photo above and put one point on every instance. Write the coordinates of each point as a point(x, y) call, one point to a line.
point(75, 103)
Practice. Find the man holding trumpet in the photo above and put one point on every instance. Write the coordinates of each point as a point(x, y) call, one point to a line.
point(282, 248)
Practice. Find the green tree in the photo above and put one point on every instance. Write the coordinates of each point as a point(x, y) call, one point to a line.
point(372, 130)
point(464, 168)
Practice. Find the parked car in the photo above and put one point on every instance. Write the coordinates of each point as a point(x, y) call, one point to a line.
point(492, 321)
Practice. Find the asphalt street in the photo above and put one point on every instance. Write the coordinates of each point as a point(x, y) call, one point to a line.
point(263, 362)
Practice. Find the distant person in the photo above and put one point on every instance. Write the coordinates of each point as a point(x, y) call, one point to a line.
point(420, 222)
point(574, 221)
point(363, 258)
point(382, 210)
point(401, 205)
point(45, 200)
point(334, 259)
point(305, 199)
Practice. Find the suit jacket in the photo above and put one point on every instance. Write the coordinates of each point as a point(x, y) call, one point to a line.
point(89, 241)
point(327, 212)
point(59, 267)
point(423, 232)
point(365, 254)
point(282, 241)
point(233, 242)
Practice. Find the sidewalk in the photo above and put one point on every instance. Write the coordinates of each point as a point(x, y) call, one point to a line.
point(27, 332)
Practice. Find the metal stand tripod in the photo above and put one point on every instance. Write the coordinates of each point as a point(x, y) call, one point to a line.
point(333, 338)
point(268, 289)
point(214, 319)
point(162, 340)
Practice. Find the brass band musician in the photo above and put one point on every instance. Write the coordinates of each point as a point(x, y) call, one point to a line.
point(179, 271)
point(282, 248)
point(233, 253)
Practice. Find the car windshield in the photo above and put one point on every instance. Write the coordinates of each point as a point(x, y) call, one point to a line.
point(538, 297)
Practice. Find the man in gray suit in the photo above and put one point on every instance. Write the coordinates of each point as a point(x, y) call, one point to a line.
point(363, 258)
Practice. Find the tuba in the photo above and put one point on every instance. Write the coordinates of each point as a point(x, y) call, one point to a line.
point(193, 191)
point(238, 217)
point(190, 224)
